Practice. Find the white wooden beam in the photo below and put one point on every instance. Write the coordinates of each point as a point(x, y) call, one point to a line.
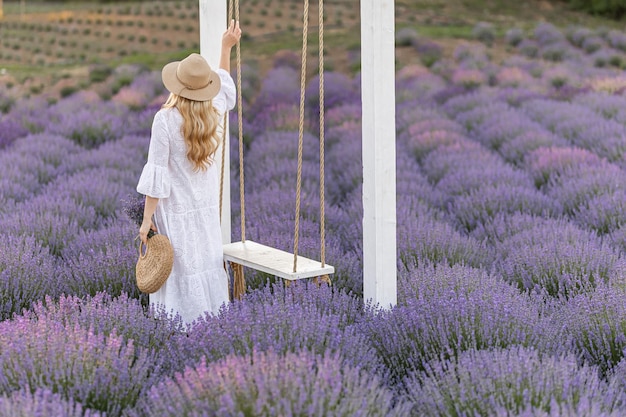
point(213, 17)
point(379, 152)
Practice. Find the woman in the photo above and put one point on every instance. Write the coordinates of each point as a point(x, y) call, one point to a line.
point(181, 182)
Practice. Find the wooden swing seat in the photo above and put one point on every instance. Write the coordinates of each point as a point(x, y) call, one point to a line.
point(274, 261)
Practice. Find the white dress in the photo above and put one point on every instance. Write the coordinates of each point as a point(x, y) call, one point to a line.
point(187, 213)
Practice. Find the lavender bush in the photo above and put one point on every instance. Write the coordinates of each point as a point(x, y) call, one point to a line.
point(269, 384)
point(546, 164)
point(42, 402)
point(593, 326)
point(481, 205)
point(101, 260)
point(28, 273)
point(103, 373)
point(579, 184)
point(89, 126)
point(514, 381)
point(284, 320)
point(10, 130)
point(448, 310)
point(558, 258)
point(152, 331)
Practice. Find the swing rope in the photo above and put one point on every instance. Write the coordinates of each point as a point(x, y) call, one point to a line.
point(322, 144)
point(239, 280)
point(242, 196)
point(296, 233)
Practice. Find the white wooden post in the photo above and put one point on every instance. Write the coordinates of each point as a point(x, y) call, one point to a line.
point(213, 16)
point(379, 152)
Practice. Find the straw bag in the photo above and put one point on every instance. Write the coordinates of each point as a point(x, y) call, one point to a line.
point(155, 265)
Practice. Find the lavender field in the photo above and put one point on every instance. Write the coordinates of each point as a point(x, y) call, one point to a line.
point(511, 196)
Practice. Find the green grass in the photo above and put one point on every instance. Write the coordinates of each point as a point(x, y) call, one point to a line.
point(438, 31)
point(14, 7)
point(151, 60)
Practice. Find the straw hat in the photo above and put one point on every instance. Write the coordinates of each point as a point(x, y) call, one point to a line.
point(191, 78)
point(154, 267)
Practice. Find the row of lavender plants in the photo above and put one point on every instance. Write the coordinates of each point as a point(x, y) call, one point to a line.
point(511, 232)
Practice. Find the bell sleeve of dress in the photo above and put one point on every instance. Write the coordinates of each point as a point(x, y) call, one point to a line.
point(155, 177)
point(227, 97)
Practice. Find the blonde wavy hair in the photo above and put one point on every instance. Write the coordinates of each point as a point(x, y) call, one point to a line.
point(199, 129)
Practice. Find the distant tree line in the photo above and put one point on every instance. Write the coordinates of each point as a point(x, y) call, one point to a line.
point(615, 9)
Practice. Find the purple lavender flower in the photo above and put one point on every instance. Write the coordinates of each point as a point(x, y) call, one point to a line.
point(592, 44)
point(423, 143)
point(466, 102)
point(338, 91)
point(520, 148)
point(103, 195)
point(53, 222)
point(28, 272)
point(458, 182)
point(612, 107)
point(42, 402)
point(428, 51)
point(267, 383)
point(20, 176)
point(548, 163)
point(603, 213)
point(577, 185)
point(577, 35)
point(503, 125)
point(406, 36)
point(455, 158)
point(592, 326)
point(516, 96)
point(101, 260)
point(151, 330)
point(86, 120)
point(448, 310)
point(529, 48)
point(484, 32)
point(10, 130)
point(285, 319)
point(514, 381)
point(423, 238)
point(469, 78)
point(580, 125)
point(51, 149)
point(340, 115)
point(505, 225)
point(472, 55)
point(483, 204)
point(287, 58)
point(277, 117)
point(547, 33)
point(133, 207)
point(617, 39)
point(102, 373)
point(281, 85)
point(558, 259)
point(514, 36)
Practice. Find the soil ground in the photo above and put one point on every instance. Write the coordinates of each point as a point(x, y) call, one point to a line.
point(46, 47)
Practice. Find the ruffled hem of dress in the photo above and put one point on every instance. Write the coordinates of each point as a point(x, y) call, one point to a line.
point(154, 181)
point(192, 296)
